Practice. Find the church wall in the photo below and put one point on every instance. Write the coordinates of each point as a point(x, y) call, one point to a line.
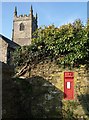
point(22, 37)
point(3, 56)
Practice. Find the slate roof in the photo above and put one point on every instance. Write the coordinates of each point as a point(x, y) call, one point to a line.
point(10, 43)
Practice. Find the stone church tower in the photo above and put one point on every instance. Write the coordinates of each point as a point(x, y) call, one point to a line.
point(23, 27)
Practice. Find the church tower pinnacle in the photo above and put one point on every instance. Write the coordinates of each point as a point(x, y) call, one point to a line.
point(36, 16)
point(31, 10)
point(15, 12)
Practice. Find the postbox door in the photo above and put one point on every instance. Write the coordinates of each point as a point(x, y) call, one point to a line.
point(68, 87)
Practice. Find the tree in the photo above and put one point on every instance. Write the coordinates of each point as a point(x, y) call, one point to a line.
point(67, 45)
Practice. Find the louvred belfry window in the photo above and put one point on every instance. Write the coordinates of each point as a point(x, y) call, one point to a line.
point(21, 27)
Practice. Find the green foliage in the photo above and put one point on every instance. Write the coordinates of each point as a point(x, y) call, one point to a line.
point(68, 45)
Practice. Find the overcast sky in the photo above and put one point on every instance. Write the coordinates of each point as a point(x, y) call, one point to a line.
point(57, 13)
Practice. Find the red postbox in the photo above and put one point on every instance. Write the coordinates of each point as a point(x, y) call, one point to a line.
point(69, 85)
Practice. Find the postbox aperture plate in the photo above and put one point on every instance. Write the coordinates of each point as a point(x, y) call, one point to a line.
point(68, 85)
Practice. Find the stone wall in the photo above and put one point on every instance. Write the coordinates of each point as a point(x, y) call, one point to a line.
point(42, 94)
point(11, 97)
point(3, 48)
point(22, 37)
point(50, 77)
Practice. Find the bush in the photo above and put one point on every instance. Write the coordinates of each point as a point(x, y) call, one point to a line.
point(67, 45)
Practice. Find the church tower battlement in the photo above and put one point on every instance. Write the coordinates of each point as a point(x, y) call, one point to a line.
point(23, 27)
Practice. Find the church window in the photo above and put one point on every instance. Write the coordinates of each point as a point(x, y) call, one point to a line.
point(21, 27)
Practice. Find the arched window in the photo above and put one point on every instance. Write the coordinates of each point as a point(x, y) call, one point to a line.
point(21, 27)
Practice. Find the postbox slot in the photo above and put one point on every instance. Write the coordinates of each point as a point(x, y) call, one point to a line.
point(69, 77)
